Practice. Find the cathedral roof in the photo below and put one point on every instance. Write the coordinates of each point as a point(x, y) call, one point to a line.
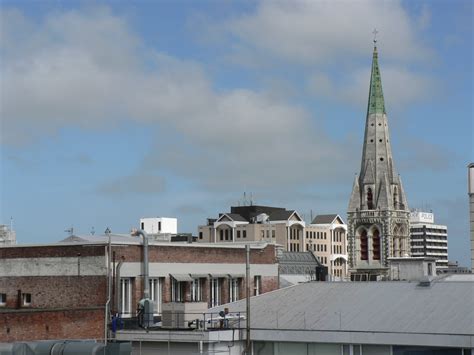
point(376, 101)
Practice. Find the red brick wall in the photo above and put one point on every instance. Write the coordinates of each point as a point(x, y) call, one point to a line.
point(269, 283)
point(25, 325)
point(56, 291)
point(43, 251)
point(183, 254)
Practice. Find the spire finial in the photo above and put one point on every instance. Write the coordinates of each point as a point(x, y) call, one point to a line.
point(375, 36)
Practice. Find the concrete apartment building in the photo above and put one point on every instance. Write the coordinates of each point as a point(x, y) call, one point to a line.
point(59, 291)
point(325, 236)
point(429, 239)
point(470, 190)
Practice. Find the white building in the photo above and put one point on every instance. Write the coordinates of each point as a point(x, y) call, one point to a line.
point(159, 225)
point(429, 239)
point(7, 235)
point(471, 208)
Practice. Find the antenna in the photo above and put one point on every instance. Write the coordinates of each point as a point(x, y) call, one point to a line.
point(70, 231)
point(11, 224)
point(92, 230)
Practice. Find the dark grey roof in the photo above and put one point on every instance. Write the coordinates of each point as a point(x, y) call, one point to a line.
point(281, 215)
point(236, 217)
point(297, 263)
point(398, 307)
point(324, 219)
point(249, 212)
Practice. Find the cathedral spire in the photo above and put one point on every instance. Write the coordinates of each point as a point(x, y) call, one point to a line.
point(376, 101)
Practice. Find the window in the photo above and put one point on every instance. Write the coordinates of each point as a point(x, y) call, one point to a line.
point(125, 297)
point(221, 234)
point(177, 291)
point(370, 204)
point(244, 234)
point(257, 280)
point(159, 226)
point(196, 290)
point(262, 234)
point(226, 234)
point(233, 290)
point(200, 235)
point(273, 233)
point(376, 245)
point(363, 246)
point(238, 234)
point(155, 293)
point(3, 299)
point(26, 299)
point(215, 292)
point(142, 225)
point(430, 269)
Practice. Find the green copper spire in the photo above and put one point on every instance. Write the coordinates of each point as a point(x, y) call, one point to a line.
point(376, 102)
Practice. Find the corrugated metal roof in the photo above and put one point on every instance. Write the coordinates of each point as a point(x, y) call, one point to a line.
point(400, 307)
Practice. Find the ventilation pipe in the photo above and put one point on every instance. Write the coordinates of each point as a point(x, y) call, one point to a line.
point(146, 288)
point(145, 316)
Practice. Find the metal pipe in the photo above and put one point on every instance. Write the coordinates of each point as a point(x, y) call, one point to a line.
point(146, 288)
point(118, 307)
point(109, 288)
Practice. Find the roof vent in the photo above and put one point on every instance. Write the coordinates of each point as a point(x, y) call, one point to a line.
point(425, 282)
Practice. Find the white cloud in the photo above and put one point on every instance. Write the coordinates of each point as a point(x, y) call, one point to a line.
point(88, 69)
point(313, 32)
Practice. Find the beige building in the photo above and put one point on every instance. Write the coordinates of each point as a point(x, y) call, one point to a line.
point(326, 236)
point(256, 223)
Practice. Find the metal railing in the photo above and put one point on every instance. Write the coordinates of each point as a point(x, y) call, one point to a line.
point(176, 320)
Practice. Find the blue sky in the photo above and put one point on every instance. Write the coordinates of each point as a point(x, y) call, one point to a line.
point(115, 110)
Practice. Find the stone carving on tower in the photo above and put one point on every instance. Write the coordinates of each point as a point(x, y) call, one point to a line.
point(378, 223)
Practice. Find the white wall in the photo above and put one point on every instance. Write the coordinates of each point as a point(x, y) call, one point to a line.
point(156, 225)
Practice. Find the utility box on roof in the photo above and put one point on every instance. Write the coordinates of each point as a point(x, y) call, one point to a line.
point(159, 225)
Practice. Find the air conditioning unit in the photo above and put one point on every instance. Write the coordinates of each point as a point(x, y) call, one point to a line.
point(177, 315)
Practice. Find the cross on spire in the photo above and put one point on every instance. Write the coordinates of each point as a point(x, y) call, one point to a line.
point(375, 35)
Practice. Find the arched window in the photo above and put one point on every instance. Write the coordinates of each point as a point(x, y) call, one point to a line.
point(395, 198)
point(376, 245)
point(370, 204)
point(364, 247)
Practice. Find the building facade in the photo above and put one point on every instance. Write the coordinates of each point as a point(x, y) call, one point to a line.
point(429, 239)
point(378, 224)
point(159, 225)
point(60, 291)
point(256, 223)
point(470, 178)
point(7, 235)
point(326, 237)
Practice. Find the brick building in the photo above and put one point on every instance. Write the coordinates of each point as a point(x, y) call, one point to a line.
point(60, 290)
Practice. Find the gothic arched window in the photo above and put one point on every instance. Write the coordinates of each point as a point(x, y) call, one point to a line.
point(364, 247)
point(370, 203)
point(395, 197)
point(376, 245)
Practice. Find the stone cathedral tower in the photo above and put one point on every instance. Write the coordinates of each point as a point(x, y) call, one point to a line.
point(378, 225)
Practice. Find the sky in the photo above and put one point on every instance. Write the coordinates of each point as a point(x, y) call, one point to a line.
point(115, 110)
